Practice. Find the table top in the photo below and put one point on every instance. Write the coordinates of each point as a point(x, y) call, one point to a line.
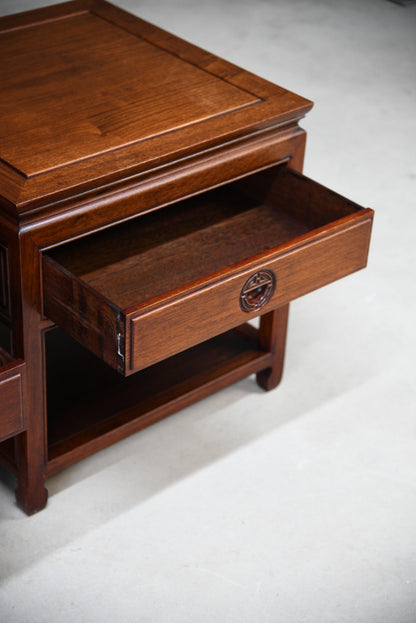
point(91, 94)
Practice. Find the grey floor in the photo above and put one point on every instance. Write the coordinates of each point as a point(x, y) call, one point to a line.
point(293, 506)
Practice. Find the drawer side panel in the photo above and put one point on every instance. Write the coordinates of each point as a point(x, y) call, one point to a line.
point(84, 314)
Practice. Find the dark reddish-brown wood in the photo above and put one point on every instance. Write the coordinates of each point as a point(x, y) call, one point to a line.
point(140, 311)
point(111, 96)
point(11, 412)
point(272, 338)
point(143, 183)
point(4, 282)
point(99, 407)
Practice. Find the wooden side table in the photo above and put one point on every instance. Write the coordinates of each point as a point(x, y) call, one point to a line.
point(151, 205)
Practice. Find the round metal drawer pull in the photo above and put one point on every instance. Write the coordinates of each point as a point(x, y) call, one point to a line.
point(257, 290)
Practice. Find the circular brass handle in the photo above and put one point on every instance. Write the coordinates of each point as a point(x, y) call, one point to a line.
point(257, 290)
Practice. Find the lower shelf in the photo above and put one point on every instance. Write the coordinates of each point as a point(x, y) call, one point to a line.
point(90, 406)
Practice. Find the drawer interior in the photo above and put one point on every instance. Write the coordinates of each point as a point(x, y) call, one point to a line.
point(133, 262)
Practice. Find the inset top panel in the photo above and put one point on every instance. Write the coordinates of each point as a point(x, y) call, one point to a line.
point(89, 92)
point(93, 88)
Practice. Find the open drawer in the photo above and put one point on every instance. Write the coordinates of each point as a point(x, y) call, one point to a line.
point(142, 291)
point(11, 415)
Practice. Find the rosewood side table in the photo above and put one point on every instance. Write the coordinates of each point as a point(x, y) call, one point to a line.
point(151, 204)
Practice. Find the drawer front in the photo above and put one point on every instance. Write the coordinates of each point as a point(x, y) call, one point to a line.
point(11, 415)
point(220, 306)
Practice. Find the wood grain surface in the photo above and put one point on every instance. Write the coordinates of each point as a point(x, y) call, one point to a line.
point(11, 413)
point(90, 92)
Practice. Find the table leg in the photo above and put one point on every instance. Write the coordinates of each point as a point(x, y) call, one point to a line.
point(31, 494)
point(272, 337)
point(31, 445)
